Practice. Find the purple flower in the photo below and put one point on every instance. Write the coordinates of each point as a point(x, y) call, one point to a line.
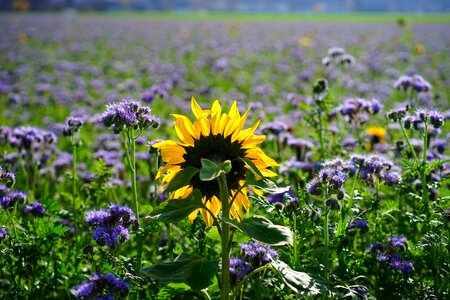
point(406, 267)
point(363, 225)
point(102, 287)
point(377, 246)
point(257, 254)
point(128, 113)
point(281, 197)
point(397, 241)
point(396, 261)
point(73, 125)
point(35, 208)
point(3, 234)
point(391, 178)
point(10, 198)
point(7, 177)
point(111, 225)
point(239, 269)
point(383, 257)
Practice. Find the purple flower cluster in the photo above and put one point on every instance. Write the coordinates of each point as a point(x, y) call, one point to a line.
point(424, 117)
point(397, 114)
point(9, 198)
point(73, 125)
point(257, 254)
point(111, 225)
point(415, 82)
point(8, 178)
point(362, 225)
point(390, 254)
point(28, 138)
point(331, 179)
point(35, 209)
point(373, 166)
point(106, 286)
point(337, 56)
point(155, 91)
point(3, 234)
point(357, 111)
point(281, 197)
point(239, 268)
point(126, 114)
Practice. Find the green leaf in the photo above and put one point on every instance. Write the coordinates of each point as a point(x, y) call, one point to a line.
point(175, 210)
point(263, 230)
point(195, 271)
point(210, 170)
point(238, 237)
point(252, 167)
point(302, 283)
point(264, 184)
point(181, 179)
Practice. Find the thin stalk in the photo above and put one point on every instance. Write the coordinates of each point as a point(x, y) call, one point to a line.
point(74, 176)
point(322, 153)
point(294, 229)
point(423, 170)
point(326, 259)
point(130, 149)
point(225, 235)
point(405, 135)
point(242, 283)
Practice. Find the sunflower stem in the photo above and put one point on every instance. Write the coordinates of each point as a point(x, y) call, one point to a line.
point(225, 236)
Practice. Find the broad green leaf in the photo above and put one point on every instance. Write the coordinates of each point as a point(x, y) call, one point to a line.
point(238, 237)
point(300, 282)
point(181, 179)
point(263, 230)
point(195, 271)
point(175, 210)
point(211, 170)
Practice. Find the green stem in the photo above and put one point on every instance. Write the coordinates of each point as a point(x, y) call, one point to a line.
point(249, 276)
point(326, 259)
point(225, 235)
point(74, 176)
point(405, 135)
point(130, 149)
point(322, 153)
point(423, 170)
point(294, 229)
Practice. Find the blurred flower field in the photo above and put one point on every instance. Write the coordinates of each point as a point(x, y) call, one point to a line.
point(182, 159)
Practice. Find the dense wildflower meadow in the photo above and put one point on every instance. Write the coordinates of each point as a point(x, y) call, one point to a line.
point(177, 159)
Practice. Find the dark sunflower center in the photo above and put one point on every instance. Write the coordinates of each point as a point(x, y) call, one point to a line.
point(218, 149)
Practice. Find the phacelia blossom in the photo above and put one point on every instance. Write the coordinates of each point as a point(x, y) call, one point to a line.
point(257, 254)
point(106, 286)
point(128, 114)
point(3, 234)
point(239, 268)
point(111, 225)
point(357, 111)
point(35, 208)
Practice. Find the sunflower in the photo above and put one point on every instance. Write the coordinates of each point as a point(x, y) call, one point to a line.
point(216, 136)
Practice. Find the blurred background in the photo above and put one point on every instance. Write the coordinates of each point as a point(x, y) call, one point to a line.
point(279, 6)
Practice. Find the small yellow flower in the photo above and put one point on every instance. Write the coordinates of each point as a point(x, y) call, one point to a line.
point(216, 136)
point(420, 49)
point(305, 42)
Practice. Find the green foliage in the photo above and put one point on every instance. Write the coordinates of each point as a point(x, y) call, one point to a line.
point(263, 230)
point(195, 271)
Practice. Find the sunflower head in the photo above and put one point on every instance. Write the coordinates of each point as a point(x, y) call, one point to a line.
point(218, 137)
point(375, 135)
